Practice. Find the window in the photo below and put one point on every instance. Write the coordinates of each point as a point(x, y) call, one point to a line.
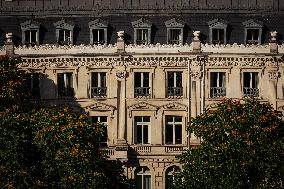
point(141, 84)
point(250, 84)
point(103, 137)
point(170, 176)
point(142, 31)
point(64, 32)
point(174, 31)
point(217, 84)
point(98, 88)
point(99, 36)
point(218, 31)
point(64, 37)
point(253, 31)
point(175, 84)
point(142, 130)
point(65, 85)
point(252, 36)
point(173, 130)
point(30, 32)
point(98, 32)
point(33, 85)
point(143, 178)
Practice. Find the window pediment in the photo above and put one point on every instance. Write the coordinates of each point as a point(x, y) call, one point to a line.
point(142, 106)
point(174, 106)
point(218, 23)
point(253, 24)
point(98, 23)
point(63, 24)
point(174, 23)
point(30, 24)
point(100, 107)
point(142, 23)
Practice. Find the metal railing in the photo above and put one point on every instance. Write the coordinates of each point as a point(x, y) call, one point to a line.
point(217, 92)
point(142, 42)
point(65, 92)
point(174, 42)
point(141, 91)
point(98, 92)
point(175, 91)
point(252, 92)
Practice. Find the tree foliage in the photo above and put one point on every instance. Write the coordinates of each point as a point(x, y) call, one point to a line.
point(48, 147)
point(242, 147)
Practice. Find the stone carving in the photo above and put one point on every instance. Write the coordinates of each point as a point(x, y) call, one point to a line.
point(143, 106)
point(195, 75)
point(218, 23)
point(273, 75)
point(9, 37)
point(98, 106)
point(196, 35)
point(30, 24)
point(175, 106)
point(273, 35)
point(174, 23)
point(141, 23)
point(120, 35)
point(98, 23)
point(121, 74)
point(63, 24)
point(253, 23)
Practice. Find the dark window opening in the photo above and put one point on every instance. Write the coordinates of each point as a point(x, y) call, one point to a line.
point(218, 36)
point(99, 36)
point(141, 84)
point(65, 85)
point(252, 36)
point(175, 88)
point(98, 82)
point(103, 138)
point(217, 84)
point(173, 130)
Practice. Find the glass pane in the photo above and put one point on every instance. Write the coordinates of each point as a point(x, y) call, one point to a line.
point(103, 119)
point(33, 36)
point(95, 119)
point(169, 134)
point(27, 36)
point(139, 134)
point(146, 119)
point(102, 35)
point(169, 119)
point(138, 183)
point(60, 82)
point(103, 79)
point(247, 79)
point(178, 79)
point(69, 80)
point(178, 119)
point(145, 79)
point(61, 36)
point(138, 119)
point(94, 79)
point(147, 182)
point(145, 134)
point(178, 134)
point(137, 79)
point(170, 79)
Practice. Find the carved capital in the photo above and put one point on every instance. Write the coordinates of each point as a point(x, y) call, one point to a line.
point(121, 74)
point(273, 75)
point(195, 75)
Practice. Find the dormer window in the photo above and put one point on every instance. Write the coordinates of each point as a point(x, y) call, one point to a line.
point(253, 31)
point(30, 32)
point(64, 32)
point(98, 32)
point(142, 31)
point(174, 31)
point(217, 31)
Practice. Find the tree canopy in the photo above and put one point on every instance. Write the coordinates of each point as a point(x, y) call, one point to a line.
point(242, 148)
point(48, 146)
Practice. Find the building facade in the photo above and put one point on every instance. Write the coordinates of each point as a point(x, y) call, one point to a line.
point(145, 68)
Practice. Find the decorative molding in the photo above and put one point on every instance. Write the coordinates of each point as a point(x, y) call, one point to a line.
point(141, 23)
point(174, 106)
point(195, 75)
point(251, 23)
point(174, 23)
point(143, 106)
point(121, 74)
point(273, 75)
point(30, 24)
point(98, 106)
point(63, 24)
point(98, 23)
point(218, 23)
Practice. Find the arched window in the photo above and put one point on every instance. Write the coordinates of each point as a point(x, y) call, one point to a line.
point(170, 176)
point(143, 178)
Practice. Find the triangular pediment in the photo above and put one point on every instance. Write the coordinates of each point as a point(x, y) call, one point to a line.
point(98, 23)
point(174, 106)
point(63, 24)
point(174, 23)
point(30, 24)
point(98, 106)
point(253, 23)
point(218, 23)
point(142, 23)
point(143, 106)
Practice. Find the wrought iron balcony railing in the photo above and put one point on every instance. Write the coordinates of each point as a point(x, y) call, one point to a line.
point(217, 92)
point(141, 91)
point(175, 91)
point(252, 92)
point(98, 92)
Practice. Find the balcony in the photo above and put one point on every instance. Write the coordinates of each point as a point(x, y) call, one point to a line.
point(217, 92)
point(250, 92)
point(158, 149)
point(141, 91)
point(98, 92)
point(175, 92)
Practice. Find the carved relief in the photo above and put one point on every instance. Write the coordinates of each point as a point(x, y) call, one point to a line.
point(143, 106)
point(98, 106)
point(141, 23)
point(175, 106)
point(195, 75)
point(174, 23)
point(121, 74)
point(273, 75)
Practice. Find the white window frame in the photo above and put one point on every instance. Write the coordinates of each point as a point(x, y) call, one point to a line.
point(98, 24)
point(143, 124)
point(219, 25)
point(142, 25)
point(98, 83)
point(29, 26)
point(253, 24)
point(175, 24)
point(64, 25)
point(145, 171)
point(174, 123)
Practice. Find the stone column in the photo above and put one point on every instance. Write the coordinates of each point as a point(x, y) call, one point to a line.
point(195, 75)
point(273, 77)
point(121, 144)
point(9, 45)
